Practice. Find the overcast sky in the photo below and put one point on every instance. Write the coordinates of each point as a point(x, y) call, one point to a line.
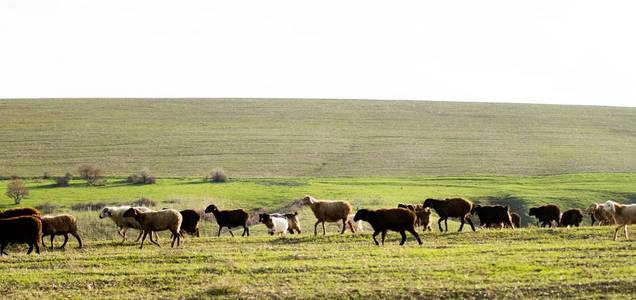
point(572, 52)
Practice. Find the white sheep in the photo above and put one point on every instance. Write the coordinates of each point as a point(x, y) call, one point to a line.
point(280, 225)
point(623, 214)
point(329, 211)
point(153, 221)
point(116, 214)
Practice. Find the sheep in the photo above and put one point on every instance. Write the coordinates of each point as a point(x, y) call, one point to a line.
point(493, 215)
point(60, 225)
point(546, 214)
point(423, 215)
point(21, 230)
point(190, 223)
point(116, 214)
point(275, 223)
point(329, 211)
point(292, 221)
point(17, 212)
point(572, 217)
point(599, 215)
point(623, 215)
point(395, 219)
point(229, 219)
point(153, 221)
point(453, 207)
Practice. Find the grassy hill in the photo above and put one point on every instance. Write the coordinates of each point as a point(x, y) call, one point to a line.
point(309, 138)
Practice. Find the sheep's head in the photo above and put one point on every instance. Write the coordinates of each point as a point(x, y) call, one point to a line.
point(592, 208)
point(131, 212)
point(263, 218)
point(533, 211)
point(476, 208)
point(430, 202)
point(362, 214)
point(308, 200)
point(105, 213)
point(609, 206)
point(211, 208)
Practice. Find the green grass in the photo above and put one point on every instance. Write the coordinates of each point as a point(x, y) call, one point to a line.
point(536, 263)
point(310, 138)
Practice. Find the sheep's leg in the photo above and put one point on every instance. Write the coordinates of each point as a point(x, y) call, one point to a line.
point(37, 247)
point(403, 234)
point(219, 234)
point(324, 232)
point(472, 226)
point(439, 222)
point(246, 230)
point(141, 232)
point(156, 236)
point(316, 228)
point(2, 246)
point(375, 233)
point(344, 225)
point(616, 231)
point(625, 229)
point(65, 240)
point(461, 226)
point(143, 239)
point(351, 226)
point(290, 230)
point(446, 224)
point(30, 248)
point(197, 232)
point(414, 233)
point(42, 239)
point(52, 236)
point(77, 238)
point(230, 231)
point(175, 237)
point(383, 236)
point(153, 241)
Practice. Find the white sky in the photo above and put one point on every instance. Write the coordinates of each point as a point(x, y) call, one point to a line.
point(571, 52)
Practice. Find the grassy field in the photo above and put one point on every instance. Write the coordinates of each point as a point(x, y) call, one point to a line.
point(310, 138)
point(536, 263)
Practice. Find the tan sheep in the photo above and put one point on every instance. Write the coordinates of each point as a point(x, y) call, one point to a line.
point(153, 221)
point(623, 214)
point(329, 211)
point(60, 225)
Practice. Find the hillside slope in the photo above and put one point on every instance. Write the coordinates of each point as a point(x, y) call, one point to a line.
point(270, 138)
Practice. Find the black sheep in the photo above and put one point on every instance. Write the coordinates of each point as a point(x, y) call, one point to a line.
point(21, 230)
point(451, 208)
point(395, 219)
point(546, 214)
point(190, 223)
point(572, 217)
point(493, 215)
point(230, 219)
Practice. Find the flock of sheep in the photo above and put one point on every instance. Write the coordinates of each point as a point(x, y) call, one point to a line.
point(26, 226)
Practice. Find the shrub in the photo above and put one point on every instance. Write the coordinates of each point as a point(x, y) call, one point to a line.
point(17, 190)
point(46, 208)
point(218, 175)
point(63, 181)
point(89, 206)
point(144, 177)
point(143, 201)
point(46, 175)
point(92, 174)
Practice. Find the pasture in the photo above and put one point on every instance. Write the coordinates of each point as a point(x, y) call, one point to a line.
point(529, 262)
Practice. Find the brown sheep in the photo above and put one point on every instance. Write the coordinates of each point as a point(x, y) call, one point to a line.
point(599, 216)
point(451, 208)
point(60, 225)
point(21, 230)
point(546, 214)
point(190, 223)
point(329, 211)
point(516, 220)
point(395, 219)
point(17, 212)
point(153, 221)
point(423, 215)
point(572, 217)
point(230, 219)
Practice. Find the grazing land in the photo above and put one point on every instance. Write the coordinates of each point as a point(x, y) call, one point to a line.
point(313, 138)
point(537, 263)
